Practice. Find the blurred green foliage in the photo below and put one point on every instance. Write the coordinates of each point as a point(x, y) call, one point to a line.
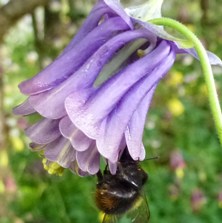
point(179, 122)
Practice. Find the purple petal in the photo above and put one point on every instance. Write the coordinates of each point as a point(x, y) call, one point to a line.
point(155, 29)
point(90, 23)
point(60, 151)
point(87, 115)
point(116, 6)
point(113, 127)
point(36, 147)
point(77, 138)
point(50, 104)
point(88, 161)
point(69, 62)
point(213, 59)
point(24, 109)
point(160, 32)
point(44, 131)
point(135, 127)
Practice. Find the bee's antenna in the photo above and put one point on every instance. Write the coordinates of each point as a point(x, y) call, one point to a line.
point(152, 158)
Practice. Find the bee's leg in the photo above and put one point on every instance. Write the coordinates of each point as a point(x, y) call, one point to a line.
point(106, 170)
point(120, 168)
point(99, 176)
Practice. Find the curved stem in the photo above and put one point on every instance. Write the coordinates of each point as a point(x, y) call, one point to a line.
point(206, 67)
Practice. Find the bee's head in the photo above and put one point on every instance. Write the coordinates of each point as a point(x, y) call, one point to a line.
point(133, 173)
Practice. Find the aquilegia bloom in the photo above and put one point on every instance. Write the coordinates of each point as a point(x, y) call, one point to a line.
point(94, 97)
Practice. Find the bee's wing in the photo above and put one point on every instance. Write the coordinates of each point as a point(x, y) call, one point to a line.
point(141, 213)
point(138, 214)
point(110, 219)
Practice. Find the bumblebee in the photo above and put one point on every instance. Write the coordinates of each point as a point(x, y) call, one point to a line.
point(121, 193)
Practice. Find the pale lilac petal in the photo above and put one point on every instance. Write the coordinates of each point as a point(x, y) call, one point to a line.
point(116, 6)
point(76, 170)
point(148, 10)
point(142, 154)
point(44, 131)
point(60, 151)
point(87, 114)
point(89, 160)
point(77, 138)
point(135, 127)
point(66, 64)
point(24, 109)
point(50, 104)
point(113, 166)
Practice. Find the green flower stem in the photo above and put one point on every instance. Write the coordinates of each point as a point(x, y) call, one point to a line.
point(206, 67)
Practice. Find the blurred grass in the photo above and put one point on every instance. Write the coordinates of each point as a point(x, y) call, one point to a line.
point(179, 120)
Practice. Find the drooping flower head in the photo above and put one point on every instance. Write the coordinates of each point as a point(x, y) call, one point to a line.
point(94, 97)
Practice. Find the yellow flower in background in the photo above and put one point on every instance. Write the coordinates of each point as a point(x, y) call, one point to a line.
point(177, 163)
point(191, 27)
point(2, 187)
point(17, 144)
point(180, 173)
point(175, 107)
point(176, 78)
point(3, 158)
point(203, 90)
point(220, 204)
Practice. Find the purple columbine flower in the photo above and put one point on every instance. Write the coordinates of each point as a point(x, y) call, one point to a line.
point(94, 97)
